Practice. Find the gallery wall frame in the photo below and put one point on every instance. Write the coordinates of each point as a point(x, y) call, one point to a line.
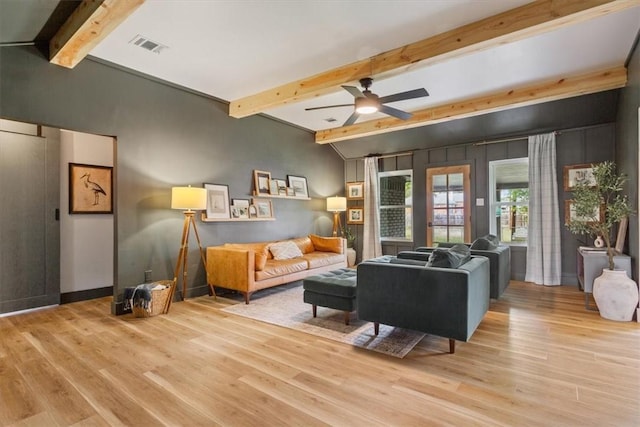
point(262, 182)
point(90, 189)
point(355, 215)
point(570, 213)
point(217, 201)
point(355, 190)
point(299, 185)
point(576, 173)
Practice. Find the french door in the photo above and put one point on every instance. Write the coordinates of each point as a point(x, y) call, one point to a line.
point(448, 204)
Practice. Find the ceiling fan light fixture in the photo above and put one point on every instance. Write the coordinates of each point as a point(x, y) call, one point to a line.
point(366, 106)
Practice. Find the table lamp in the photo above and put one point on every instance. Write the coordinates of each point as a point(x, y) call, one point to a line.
point(336, 205)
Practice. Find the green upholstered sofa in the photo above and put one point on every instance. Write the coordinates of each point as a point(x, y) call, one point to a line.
point(401, 291)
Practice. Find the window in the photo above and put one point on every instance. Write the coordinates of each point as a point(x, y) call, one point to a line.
point(396, 205)
point(509, 190)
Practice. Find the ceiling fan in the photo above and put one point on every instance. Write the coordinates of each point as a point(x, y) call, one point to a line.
point(367, 102)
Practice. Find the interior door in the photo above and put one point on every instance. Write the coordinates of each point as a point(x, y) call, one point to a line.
point(29, 231)
point(448, 204)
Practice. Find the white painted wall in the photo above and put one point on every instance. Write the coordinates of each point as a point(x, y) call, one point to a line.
point(86, 241)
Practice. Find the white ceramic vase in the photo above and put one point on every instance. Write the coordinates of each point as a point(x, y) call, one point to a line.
point(351, 257)
point(598, 243)
point(616, 295)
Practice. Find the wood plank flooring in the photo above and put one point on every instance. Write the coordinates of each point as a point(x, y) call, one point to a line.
point(537, 359)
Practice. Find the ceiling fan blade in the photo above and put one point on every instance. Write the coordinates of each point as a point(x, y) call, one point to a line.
point(352, 119)
point(402, 115)
point(357, 93)
point(328, 106)
point(410, 94)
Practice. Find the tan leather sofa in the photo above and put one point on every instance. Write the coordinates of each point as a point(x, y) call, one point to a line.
point(249, 267)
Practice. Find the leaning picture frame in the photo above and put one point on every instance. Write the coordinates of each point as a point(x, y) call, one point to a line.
point(90, 189)
point(264, 209)
point(355, 190)
point(570, 214)
point(262, 182)
point(355, 215)
point(573, 174)
point(217, 201)
point(622, 235)
point(299, 185)
point(240, 208)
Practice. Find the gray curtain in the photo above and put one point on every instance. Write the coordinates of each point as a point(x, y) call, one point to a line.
point(371, 246)
point(543, 246)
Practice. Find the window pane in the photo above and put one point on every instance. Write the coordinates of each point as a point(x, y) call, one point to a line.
point(396, 223)
point(456, 234)
point(456, 199)
point(439, 183)
point(440, 199)
point(456, 217)
point(440, 234)
point(440, 216)
point(510, 190)
point(456, 181)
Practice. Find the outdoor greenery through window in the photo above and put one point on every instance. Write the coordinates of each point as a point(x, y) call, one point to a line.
point(396, 205)
point(509, 189)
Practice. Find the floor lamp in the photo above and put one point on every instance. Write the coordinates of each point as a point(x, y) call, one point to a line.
point(336, 205)
point(188, 199)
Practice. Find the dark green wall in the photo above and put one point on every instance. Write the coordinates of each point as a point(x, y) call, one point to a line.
point(167, 136)
point(628, 139)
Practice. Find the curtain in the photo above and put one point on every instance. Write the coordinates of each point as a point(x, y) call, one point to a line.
point(543, 247)
point(371, 246)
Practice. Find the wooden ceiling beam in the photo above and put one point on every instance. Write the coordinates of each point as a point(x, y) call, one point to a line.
point(87, 26)
point(511, 98)
point(515, 24)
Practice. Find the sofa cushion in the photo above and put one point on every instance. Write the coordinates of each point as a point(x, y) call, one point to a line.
point(326, 244)
point(321, 259)
point(276, 268)
point(452, 257)
point(284, 250)
point(304, 244)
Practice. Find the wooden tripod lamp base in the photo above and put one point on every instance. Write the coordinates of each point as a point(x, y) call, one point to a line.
point(336, 205)
point(188, 199)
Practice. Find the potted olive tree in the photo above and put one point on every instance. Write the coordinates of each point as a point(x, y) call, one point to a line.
point(351, 251)
point(597, 207)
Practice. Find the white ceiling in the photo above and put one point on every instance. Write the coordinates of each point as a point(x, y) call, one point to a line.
point(232, 49)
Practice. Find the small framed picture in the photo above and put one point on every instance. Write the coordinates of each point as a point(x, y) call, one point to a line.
point(217, 201)
point(570, 214)
point(90, 189)
point(273, 187)
point(240, 208)
point(355, 190)
point(355, 216)
point(264, 208)
point(262, 182)
point(282, 187)
point(299, 185)
point(573, 174)
point(291, 192)
point(253, 211)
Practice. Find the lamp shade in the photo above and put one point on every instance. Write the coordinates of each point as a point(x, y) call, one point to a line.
point(336, 204)
point(188, 198)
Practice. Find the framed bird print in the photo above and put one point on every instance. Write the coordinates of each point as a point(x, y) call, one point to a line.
point(90, 189)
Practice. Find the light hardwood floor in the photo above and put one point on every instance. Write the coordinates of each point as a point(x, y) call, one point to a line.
point(537, 359)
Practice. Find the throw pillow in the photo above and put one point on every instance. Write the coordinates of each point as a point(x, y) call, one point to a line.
point(493, 239)
point(326, 244)
point(439, 258)
point(458, 255)
point(285, 250)
point(483, 244)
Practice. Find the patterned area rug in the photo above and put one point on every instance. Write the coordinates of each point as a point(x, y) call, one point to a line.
point(283, 306)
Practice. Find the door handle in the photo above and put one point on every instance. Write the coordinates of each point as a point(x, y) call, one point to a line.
point(429, 224)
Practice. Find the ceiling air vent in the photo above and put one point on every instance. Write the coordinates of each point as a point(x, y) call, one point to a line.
point(330, 119)
point(147, 44)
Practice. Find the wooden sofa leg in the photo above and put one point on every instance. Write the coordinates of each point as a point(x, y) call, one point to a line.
point(247, 296)
point(452, 345)
point(315, 310)
point(376, 328)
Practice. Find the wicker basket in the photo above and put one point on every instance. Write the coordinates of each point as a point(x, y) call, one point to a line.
point(158, 300)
